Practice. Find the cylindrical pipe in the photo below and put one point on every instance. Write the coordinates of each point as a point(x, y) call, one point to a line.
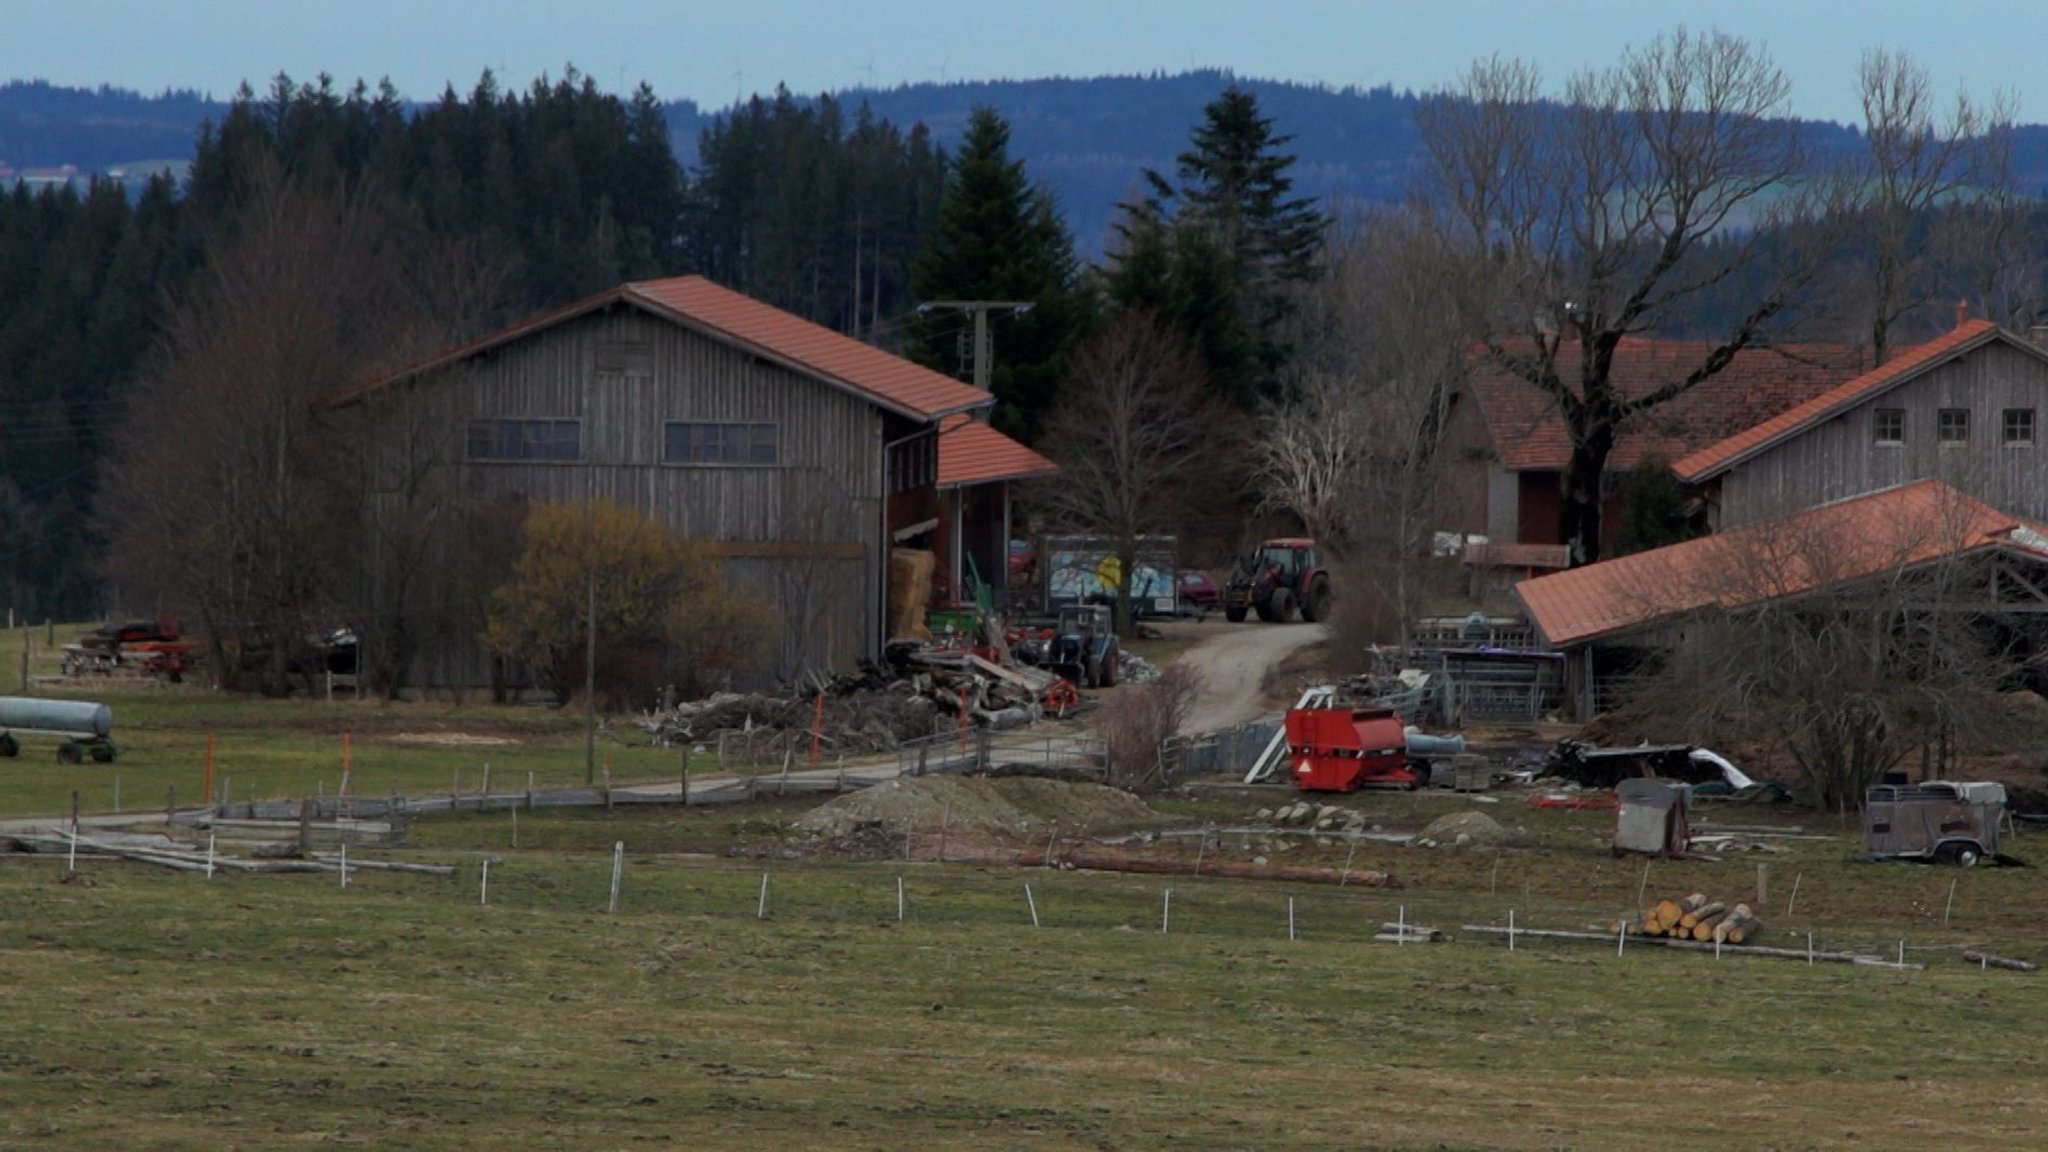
point(37, 715)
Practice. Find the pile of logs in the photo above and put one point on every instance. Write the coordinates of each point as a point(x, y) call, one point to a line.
point(1695, 918)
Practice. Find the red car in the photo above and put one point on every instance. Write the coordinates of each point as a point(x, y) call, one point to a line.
point(1199, 595)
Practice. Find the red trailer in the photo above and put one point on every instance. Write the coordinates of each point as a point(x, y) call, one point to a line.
point(1339, 749)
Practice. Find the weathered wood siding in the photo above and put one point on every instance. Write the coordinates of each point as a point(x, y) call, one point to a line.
point(1469, 478)
point(805, 531)
point(1841, 457)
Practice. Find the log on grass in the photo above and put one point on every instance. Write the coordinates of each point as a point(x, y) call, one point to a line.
point(1116, 862)
point(1987, 960)
point(1692, 919)
point(1737, 926)
point(1704, 930)
point(387, 865)
point(1694, 946)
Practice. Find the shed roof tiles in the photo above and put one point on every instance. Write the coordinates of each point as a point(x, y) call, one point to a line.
point(1854, 539)
point(971, 452)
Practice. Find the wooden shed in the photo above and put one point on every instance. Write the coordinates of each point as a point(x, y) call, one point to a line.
point(796, 454)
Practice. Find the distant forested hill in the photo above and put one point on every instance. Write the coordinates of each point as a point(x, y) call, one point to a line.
point(1086, 138)
point(1090, 138)
point(45, 125)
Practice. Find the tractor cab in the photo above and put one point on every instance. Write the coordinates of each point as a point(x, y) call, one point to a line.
point(1286, 560)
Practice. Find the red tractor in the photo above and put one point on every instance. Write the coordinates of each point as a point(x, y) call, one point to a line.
point(1283, 577)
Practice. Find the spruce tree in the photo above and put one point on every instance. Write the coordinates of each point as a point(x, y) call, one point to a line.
point(1239, 243)
point(999, 239)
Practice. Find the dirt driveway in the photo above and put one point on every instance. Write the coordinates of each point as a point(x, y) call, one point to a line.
point(1234, 659)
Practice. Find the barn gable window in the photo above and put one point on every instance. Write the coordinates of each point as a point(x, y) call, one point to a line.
point(2019, 427)
point(1952, 426)
point(1888, 426)
point(718, 442)
point(525, 440)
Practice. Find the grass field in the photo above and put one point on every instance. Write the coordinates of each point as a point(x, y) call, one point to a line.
point(163, 1010)
point(285, 749)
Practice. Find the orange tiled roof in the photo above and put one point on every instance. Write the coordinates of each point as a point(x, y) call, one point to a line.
point(1848, 540)
point(971, 452)
point(1757, 384)
point(1716, 457)
point(734, 318)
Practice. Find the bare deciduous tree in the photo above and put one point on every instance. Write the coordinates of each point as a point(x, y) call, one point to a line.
point(1354, 453)
point(1584, 222)
point(235, 502)
point(1128, 437)
point(1927, 186)
point(230, 505)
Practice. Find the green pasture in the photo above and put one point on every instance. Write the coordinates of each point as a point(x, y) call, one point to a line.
point(160, 1010)
point(153, 1009)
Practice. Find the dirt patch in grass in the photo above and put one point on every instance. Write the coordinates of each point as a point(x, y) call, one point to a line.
point(452, 739)
point(1017, 806)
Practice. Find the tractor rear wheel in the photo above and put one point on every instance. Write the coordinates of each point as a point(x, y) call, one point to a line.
point(1316, 604)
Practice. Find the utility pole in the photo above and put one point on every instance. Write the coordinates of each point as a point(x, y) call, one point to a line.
point(589, 630)
point(984, 347)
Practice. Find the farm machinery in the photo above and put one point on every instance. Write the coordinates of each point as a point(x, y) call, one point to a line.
point(1081, 647)
point(1331, 747)
point(84, 728)
point(145, 648)
point(1283, 577)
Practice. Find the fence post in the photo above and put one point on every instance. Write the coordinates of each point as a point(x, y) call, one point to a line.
point(618, 865)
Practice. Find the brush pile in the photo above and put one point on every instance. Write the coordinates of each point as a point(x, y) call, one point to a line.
point(875, 710)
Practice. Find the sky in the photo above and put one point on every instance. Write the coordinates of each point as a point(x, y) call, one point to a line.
point(713, 50)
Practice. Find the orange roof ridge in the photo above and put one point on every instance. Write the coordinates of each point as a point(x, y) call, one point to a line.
point(1850, 539)
point(887, 380)
point(1718, 456)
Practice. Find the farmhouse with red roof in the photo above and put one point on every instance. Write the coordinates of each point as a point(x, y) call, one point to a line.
point(1506, 448)
point(797, 455)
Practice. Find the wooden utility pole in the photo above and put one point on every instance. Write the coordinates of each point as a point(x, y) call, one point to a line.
point(984, 348)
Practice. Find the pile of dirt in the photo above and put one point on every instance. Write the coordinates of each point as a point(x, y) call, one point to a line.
point(1464, 830)
point(1016, 806)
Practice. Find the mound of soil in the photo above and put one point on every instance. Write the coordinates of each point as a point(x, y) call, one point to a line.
point(1477, 828)
point(1015, 806)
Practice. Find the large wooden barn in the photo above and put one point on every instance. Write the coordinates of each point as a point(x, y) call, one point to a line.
point(1964, 408)
point(798, 455)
